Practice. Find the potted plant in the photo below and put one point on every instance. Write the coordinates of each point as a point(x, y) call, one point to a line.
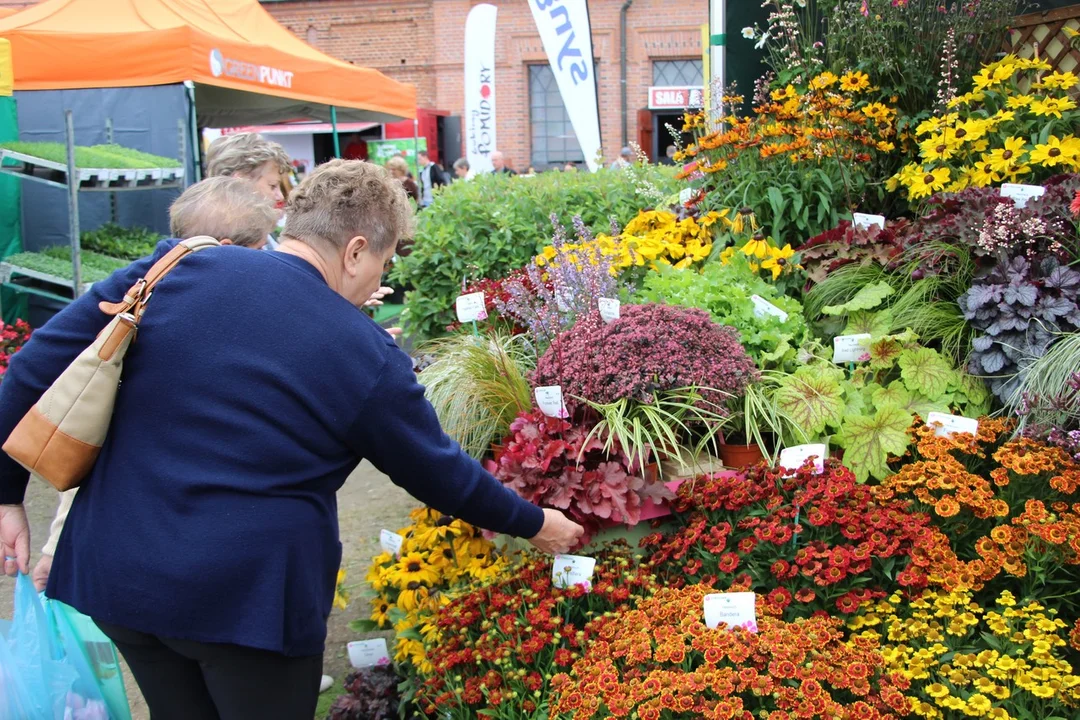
point(755, 426)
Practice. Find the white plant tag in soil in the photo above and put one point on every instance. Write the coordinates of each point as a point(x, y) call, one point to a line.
point(850, 348)
point(736, 609)
point(864, 221)
point(570, 570)
point(763, 308)
point(471, 308)
point(793, 458)
point(368, 653)
point(685, 194)
point(945, 425)
point(550, 401)
point(609, 309)
point(391, 542)
point(1020, 194)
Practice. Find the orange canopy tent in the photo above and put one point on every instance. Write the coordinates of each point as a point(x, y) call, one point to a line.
point(245, 66)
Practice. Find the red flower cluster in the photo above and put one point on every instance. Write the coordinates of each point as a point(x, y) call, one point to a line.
point(648, 349)
point(12, 338)
point(806, 543)
point(846, 244)
point(504, 642)
point(661, 661)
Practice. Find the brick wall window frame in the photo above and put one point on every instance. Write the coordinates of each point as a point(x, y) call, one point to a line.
point(678, 73)
point(553, 141)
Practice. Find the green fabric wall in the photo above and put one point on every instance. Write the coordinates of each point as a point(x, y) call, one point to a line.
point(10, 211)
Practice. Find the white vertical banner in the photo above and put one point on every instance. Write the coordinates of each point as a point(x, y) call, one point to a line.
point(564, 27)
point(480, 87)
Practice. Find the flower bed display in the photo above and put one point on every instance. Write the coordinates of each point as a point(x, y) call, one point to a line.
point(12, 338)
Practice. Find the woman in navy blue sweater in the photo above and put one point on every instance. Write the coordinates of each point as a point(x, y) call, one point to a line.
point(205, 539)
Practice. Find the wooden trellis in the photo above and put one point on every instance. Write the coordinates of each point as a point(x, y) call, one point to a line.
point(1046, 31)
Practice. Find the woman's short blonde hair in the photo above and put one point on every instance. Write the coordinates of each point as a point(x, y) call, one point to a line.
point(397, 164)
point(243, 154)
point(345, 198)
point(223, 208)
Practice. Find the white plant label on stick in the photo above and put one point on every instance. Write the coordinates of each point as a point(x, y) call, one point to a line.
point(864, 221)
point(471, 308)
point(945, 425)
point(850, 348)
point(736, 609)
point(391, 542)
point(1020, 194)
point(793, 458)
point(764, 308)
point(368, 653)
point(609, 309)
point(570, 570)
point(685, 194)
point(550, 401)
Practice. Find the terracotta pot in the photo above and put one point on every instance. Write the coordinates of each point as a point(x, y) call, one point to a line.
point(741, 456)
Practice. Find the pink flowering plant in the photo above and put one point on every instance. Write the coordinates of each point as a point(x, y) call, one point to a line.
point(12, 338)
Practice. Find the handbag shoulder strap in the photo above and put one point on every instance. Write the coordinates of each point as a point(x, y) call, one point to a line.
point(136, 297)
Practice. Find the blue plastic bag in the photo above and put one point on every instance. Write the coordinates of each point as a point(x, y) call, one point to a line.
point(95, 658)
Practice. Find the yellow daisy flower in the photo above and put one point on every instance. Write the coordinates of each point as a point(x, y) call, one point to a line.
point(1004, 157)
point(1060, 81)
point(929, 182)
point(757, 246)
point(983, 176)
point(823, 81)
point(854, 81)
point(778, 260)
point(1052, 106)
point(1019, 101)
point(788, 92)
point(1056, 151)
point(413, 567)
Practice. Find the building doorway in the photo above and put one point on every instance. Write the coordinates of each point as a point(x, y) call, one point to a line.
point(663, 124)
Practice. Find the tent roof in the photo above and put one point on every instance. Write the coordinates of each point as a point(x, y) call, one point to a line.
point(7, 11)
point(245, 65)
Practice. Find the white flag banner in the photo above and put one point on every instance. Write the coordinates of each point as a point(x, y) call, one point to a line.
point(480, 87)
point(564, 27)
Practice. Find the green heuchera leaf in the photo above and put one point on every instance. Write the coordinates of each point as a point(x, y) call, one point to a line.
point(869, 440)
point(812, 399)
point(974, 390)
point(924, 370)
point(884, 353)
point(868, 298)
point(895, 395)
point(877, 324)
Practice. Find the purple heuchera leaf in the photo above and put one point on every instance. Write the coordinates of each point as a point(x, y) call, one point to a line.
point(1021, 293)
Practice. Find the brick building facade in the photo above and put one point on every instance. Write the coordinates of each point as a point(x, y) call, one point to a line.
point(422, 42)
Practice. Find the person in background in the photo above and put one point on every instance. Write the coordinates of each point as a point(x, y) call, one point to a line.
point(430, 177)
point(252, 157)
point(400, 170)
point(461, 169)
point(530, 172)
point(207, 546)
point(626, 159)
point(669, 156)
point(498, 164)
point(357, 149)
point(570, 167)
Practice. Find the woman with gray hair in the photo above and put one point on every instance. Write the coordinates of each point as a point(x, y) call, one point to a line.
point(204, 541)
point(251, 157)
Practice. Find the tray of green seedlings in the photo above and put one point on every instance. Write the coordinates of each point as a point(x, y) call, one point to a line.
point(120, 242)
point(99, 166)
point(53, 265)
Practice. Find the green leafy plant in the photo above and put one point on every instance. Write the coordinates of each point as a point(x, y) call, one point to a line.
point(120, 242)
point(56, 261)
point(493, 224)
point(757, 418)
point(725, 292)
point(478, 385)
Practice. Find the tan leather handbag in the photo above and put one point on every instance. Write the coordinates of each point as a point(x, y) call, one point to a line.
point(60, 437)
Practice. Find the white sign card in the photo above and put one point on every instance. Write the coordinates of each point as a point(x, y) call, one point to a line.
point(685, 194)
point(570, 570)
point(864, 221)
point(368, 653)
point(609, 309)
point(736, 609)
point(471, 308)
point(945, 425)
point(763, 307)
point(391, 542)
point(850, 348)
point(1020, 194)
point(793, 458)
point(550, 401)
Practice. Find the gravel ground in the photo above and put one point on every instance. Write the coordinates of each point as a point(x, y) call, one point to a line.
point(367, 503)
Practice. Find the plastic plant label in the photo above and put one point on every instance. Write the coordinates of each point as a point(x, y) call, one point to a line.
point(391, 542)
point(1020, 194)
point(570, 570)
point(685, 194)
point(471, 308)
point(793, 458)
point(945, 425)
point(863, 221)
point(736, 609)
point(368, 653)
point(764, 308)
point(609, 309)
point(550, 401)
point(850, 348)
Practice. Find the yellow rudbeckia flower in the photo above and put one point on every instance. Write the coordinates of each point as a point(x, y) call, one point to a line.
point(778, 260)
point(757, 246)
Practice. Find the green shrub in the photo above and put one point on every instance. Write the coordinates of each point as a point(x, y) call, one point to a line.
point(486, 227)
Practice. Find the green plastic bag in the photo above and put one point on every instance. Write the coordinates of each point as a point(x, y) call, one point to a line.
point(93, 655)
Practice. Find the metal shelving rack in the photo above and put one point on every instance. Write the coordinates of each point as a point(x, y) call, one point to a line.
point(67, 176)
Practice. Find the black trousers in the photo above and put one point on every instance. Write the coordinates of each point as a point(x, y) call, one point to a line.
point(183, 680)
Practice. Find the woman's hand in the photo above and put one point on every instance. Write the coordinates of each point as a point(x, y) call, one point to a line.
point(558, 534)
point(376, 297)
point(15, 539)
point(41, 572)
